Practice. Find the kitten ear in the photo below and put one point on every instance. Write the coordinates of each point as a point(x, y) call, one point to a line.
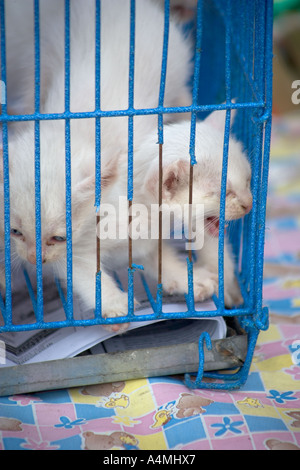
point(84, 196)
point(175, 175)
point(217, 119)
point(86, 187)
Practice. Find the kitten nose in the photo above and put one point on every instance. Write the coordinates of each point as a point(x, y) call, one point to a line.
point(31, 256)
point(247, 207)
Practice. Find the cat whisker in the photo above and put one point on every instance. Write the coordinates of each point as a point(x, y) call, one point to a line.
point(82, 258)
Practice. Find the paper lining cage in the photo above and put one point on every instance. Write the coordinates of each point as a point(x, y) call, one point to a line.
point(232, 70)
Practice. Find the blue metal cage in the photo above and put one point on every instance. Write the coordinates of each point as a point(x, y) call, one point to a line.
point(233, 45)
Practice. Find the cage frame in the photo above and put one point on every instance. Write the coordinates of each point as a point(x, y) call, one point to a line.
point(253, 317)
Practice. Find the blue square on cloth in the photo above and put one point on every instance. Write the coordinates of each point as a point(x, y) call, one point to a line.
point(185, 431)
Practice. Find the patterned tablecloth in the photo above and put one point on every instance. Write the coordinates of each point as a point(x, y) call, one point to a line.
point(161, 413)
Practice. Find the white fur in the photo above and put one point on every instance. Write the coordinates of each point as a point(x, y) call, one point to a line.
point(114, 95)
point(206, 188)
point(114, 131)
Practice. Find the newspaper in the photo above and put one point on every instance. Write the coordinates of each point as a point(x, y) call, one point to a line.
point(51, 344)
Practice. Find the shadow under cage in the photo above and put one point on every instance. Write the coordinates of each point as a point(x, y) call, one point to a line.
point(232, 71)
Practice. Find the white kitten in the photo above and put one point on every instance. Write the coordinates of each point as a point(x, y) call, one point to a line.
point(52, 199)
point(114, 130)
point(175, 192)
point(114, 45)
point(114, 95)
point(206, 188)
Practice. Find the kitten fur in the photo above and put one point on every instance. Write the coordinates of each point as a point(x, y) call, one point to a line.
point(206, 189)
point(114, 95)
point(114, 130)
point(175, 188)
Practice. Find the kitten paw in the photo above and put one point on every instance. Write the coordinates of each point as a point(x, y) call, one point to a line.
point(205, 284)
point(117, 308)
point(232, 295)
point(172, 286)
point(116, 327)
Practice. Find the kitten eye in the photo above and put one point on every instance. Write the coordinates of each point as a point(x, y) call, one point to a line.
point(15, 232)
point(58, 239)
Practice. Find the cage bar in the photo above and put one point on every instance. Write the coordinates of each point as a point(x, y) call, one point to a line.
point(69, 311)
point(7, 309)
point(39, 304)
point(131, 268)
point(98, 308)
point(159, 293)
point(225, 152)
point(193, 161)
point(241, 60)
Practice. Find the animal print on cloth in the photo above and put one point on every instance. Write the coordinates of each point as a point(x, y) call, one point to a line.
point(161, 413)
